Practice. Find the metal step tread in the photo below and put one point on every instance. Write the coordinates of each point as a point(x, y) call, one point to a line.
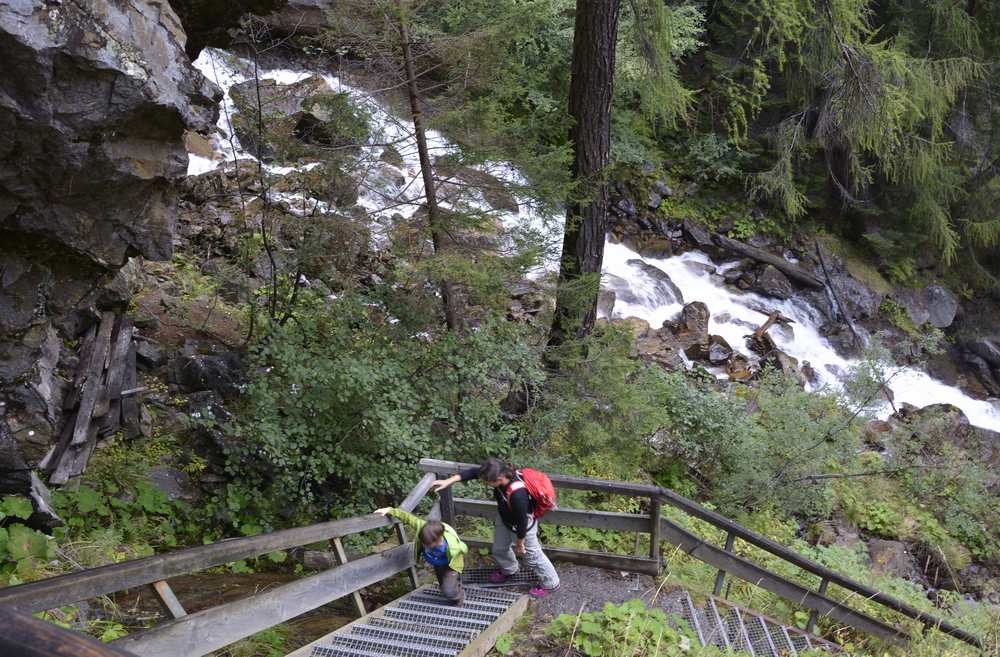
point(481, 577)
point(400, 645)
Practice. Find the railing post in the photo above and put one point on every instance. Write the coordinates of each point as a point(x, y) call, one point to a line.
point(168, 600)
point(654, 530)
point(340, 554)
point(412, 571)
point(447, 501)
point(811, 625)
point(720, 577)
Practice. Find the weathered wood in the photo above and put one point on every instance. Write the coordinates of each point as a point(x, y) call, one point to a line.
point(171, 605)
point(79, 376)
point(74, 587)
point(130, 405)
point(560, 481)
point(203, 632)
point(418, 493)
point(54, 456)
point(447, 501)
point(603, 560)
point(116, 375)
point(794, 272)
point(340, 554)
point(412, 571)
point(813, 616)
point(23, 635)
point(654, 529)
point(720, 577)
point(485, 640)
point(621, 522)
point(94, 383)
point(74, 460)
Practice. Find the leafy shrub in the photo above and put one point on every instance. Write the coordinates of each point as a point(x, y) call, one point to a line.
point(23, 551)
point(712, 157)
point(625, 630)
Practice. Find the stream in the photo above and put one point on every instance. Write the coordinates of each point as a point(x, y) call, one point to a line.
point(398, 190)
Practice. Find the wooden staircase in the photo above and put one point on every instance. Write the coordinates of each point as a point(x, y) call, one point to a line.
point(423, 624)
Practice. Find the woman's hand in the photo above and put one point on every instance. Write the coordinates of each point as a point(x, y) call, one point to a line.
point(519, 548)
point(440, 484)
point(383, 511)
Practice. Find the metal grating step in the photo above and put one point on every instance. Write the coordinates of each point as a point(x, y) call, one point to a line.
point(463, 636)
point(800, 641)
point(375, 632)
point(738, 636)
point(437, 621)
point(481, 577)
point(471, 605)
point(781, 641)
point(446, 611)
point(395, 648)
point(760, 637)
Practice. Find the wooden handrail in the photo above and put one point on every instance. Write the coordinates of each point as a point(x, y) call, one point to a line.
point(24, 635)
point(696, 510)
point(74, 587)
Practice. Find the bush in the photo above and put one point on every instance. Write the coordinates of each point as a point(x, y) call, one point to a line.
point(625, 630)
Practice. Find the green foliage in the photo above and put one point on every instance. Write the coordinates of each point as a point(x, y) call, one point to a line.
point(710, 157)
point(629, 629)
point(24, 552)
point(347, 403)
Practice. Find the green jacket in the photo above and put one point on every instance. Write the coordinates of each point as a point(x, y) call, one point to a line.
point(456, 547)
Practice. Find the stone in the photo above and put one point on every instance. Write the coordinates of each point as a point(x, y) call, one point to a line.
point(220, 373)
point(701, 268)
point(698, 237)
point(893, 558)
point(875, 432)
point(719, 351)
point(653, 200)
point(987, 348)
point(296, 18)
point(663, 189)
point(772, 283)
point(626, 208)
point(654, 246)
point(738, 368)
point(174, 483)
point(665, 290)
point(942, 306)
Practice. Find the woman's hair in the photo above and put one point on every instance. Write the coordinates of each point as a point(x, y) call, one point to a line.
point(493, 468)
point(431, 532)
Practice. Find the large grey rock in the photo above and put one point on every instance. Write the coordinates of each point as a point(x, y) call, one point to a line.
point(892, 558)
point(772, 283)
point(933, 304)
point(196, 372)
point(987, 348)
point(91, 125)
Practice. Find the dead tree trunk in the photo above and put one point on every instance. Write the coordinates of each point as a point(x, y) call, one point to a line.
point(433, 215)
point(594, 39)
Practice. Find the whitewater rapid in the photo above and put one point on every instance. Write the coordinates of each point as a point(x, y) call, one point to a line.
point(733, 312)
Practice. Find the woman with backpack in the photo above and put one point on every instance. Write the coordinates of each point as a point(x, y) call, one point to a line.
point(516, 529)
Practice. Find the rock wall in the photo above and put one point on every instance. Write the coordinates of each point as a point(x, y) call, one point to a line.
point(93, 108)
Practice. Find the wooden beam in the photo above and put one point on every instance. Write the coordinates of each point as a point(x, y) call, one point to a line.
point(418, 493)
point(93, 384)
point(340, 554)
point(603, 560)
point(485, 640)
point(654, 532)
point(116, 375)
point(130, 404)
point(621, 522)
point(798, 274)
point(24, 635)
point(203, 632)
point(74, 587)
point(168, 600)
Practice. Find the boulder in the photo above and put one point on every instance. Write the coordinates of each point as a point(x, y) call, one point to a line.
point(174, 483)
point(987, 348)
point(298, 18)
point(772, 283)
point(699, 237)
point(690, 327)
point(738, 368)
point(719, 351)
point(893, 558)
point(933, 304)
point(218, 372)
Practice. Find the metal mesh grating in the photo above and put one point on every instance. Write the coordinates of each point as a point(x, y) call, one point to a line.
point(800, 641)
point(495, 595)
point(781, 641)
point(447, 611)
point(713, 612)
point(737, 633)
point(710, 630)
point(388, 647)
point(481, 577)
point(374, 633)
point(760, 639)
point(436, 621)
point(689, 615)
point(327, 651)
point(472, 605)
point(462, 636)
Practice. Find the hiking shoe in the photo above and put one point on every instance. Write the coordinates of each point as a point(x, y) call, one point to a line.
point(539, 592)
point(499, 577)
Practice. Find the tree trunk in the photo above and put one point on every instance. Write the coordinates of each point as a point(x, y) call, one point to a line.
point(594, 40)
point(433, 216)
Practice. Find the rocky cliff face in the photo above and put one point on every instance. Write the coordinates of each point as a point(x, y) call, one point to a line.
point(93, 108)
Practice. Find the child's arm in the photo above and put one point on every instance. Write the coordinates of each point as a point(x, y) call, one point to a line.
point(408, 519)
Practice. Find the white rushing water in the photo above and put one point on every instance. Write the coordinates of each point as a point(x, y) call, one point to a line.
point(399, 190)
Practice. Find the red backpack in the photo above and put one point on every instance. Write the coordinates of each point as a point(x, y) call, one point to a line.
point(540, 490)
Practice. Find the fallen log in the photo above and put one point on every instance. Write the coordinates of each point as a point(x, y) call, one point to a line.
point(93, 385)
point(116, 375)
point(794, 272)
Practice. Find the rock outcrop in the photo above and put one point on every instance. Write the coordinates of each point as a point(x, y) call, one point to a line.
point(91, 142)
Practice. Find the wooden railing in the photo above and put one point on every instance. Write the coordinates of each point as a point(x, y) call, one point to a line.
point(193, 635)
point(723, 558)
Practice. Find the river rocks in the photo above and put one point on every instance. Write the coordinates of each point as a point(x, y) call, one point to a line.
point(666, 291)
point(690, 327)
point(949, 423)
point(987, 348)
point(893, 558)
point(772, 283)
point(699, 237)
point(933, 304)
point(605, 303)
point(220, 372)
point(719, 351)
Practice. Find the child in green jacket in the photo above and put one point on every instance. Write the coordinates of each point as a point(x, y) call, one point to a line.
point(438, 543)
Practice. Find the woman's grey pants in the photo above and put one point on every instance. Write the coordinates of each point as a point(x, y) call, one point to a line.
point(503, 554)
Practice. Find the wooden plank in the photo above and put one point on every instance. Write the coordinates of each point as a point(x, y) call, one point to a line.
point(86, 351)
point(558, 480)
point(117, 363)
point(654, 530)
point(412, 572)
point(24, 635)
point(720, 577)
point(340, 554)
point(74, 459)
point(418, 493)
point(130, 405)
point(168, 600)
point(94, 383)
point(603, 560)
point(751, 572)
point(203, 632)
point(74, 587)
point(622, 522)
point(446, 499)
point(485, 640)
